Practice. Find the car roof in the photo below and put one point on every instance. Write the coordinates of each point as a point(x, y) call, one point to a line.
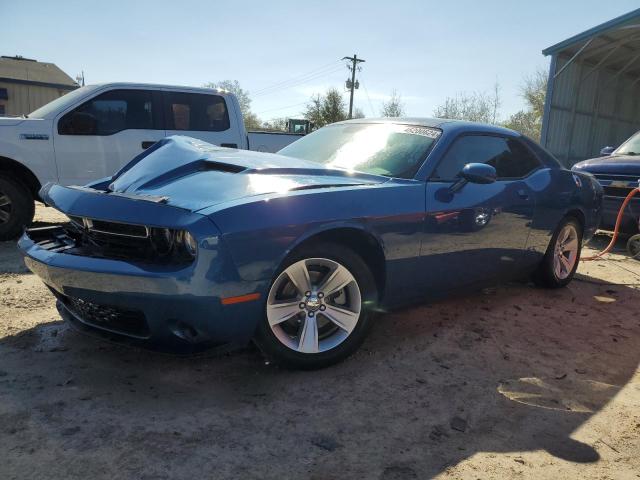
point(160, 86)
point(444, 124)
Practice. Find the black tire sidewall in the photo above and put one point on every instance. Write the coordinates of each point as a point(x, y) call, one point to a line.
point(22, 207)
point(283, 355)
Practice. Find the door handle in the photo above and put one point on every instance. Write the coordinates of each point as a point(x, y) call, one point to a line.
point(147, 144)
point(523, 194)
point(229, 145)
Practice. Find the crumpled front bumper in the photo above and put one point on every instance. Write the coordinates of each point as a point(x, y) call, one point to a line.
point(170, 307)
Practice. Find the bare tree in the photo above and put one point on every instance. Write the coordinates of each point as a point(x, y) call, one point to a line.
point(358, 113)
point(276, 124)
point(393, 107)
point(474, 107)
point(529, 120)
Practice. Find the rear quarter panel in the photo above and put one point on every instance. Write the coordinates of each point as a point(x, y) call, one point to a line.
point(560, 192)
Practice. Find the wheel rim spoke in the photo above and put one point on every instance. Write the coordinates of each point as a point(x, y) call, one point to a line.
point(571, 245)
point(299, 276)
point(281, 312)
point(565, 263)
point(4, 216)
point(309, 336)
point(301, 306)
point(344, 319)
point(337, 280)
point(4, 200)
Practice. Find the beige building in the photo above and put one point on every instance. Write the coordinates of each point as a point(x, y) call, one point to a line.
point(26, 84)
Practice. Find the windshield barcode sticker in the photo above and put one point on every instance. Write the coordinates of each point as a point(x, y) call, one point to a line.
point(425, 132)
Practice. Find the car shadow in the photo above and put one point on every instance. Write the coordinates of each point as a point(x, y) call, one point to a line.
point(511, 369)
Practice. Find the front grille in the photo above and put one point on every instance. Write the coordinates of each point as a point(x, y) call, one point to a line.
point(115, 228)
point(115, 319)
point(617, 185)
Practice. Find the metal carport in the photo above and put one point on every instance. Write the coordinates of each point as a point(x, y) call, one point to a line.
point(593, 92)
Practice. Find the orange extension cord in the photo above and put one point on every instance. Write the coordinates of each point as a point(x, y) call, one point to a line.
point(616, 229)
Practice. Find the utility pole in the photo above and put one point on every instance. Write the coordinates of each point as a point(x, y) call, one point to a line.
point(352, 83)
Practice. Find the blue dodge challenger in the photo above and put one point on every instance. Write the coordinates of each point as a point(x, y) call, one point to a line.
point(192, 245)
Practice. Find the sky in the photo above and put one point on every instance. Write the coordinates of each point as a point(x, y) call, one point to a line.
point(283, 52)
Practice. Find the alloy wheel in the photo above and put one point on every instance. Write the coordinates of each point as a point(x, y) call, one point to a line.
point(565, 251)
point(314, 305)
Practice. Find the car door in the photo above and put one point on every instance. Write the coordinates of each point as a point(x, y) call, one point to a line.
point(96, 138)
point(478, 232)
point(200, 115)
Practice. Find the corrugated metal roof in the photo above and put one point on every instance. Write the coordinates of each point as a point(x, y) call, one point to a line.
point(25, 70)
point(621, 21)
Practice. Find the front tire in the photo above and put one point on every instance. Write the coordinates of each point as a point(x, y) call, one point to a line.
point(16, 208)
point(319, 307)
point(562, 257)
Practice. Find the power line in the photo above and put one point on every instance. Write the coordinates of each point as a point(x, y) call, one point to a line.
point(325, 69)
point(373, 113)
point(297, 82)
point(282, 108)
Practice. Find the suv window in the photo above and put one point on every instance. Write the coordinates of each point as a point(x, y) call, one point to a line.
point(196, 112)
point(111, 112)
point(508, 156)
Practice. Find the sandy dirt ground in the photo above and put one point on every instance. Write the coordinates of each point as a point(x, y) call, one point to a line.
point(509, 382)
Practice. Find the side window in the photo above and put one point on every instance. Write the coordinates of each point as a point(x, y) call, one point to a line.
point(508, 156)
point(111, 113)
point(196, 112)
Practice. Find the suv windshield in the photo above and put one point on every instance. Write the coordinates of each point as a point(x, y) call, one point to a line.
point(59, 103)
point(386, 149)
point(630, 147)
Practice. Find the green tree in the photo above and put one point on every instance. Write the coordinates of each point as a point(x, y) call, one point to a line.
point(393, 107)
point(333, 107)
point(325, 109)
point(313, 111)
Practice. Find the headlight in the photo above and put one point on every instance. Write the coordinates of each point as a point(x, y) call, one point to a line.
point(162, 240)
point(188, 243)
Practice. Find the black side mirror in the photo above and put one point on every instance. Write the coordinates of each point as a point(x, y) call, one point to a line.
point(606, 151)
point(474, 173)
point(478, 173)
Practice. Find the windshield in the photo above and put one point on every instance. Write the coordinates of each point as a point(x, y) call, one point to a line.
point(59, 103)
point(630, 147)
point(384, 149)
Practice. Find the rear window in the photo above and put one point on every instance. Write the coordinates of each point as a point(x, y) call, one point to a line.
point(196, 112)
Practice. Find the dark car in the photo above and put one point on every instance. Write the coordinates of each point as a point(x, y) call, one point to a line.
point(618, 171)
point(194, 245)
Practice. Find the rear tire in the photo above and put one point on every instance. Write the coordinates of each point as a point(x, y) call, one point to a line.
point(16, 208)
point(562, 257)
point(339, 311)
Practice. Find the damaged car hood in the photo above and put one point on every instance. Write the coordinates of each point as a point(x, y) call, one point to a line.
point(193, 174)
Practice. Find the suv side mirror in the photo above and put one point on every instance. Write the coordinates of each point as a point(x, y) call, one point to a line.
point(78, 123)
point(606, 151)
point(478, 173)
